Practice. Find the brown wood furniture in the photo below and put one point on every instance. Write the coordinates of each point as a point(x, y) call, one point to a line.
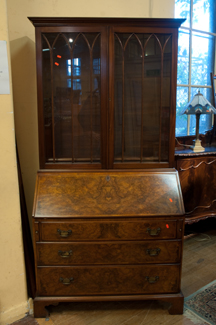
point(106, 92)
point(108, 235)
point(106, 104)
point(197, 177)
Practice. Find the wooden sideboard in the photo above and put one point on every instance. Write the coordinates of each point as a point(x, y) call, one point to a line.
point(108, 235)
point(197, 177)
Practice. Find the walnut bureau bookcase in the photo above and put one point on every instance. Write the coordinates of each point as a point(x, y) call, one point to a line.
point(108, 215)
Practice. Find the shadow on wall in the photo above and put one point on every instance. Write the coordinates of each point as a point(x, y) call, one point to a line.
point(23, 64)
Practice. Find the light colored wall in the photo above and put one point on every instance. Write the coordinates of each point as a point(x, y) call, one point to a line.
point(13, 295)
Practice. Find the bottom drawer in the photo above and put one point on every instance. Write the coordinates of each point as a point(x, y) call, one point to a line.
point(112, 280)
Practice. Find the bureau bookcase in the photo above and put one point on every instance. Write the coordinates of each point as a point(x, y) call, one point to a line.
point(108, 214)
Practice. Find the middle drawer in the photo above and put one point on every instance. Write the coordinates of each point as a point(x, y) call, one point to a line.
point(108, 252)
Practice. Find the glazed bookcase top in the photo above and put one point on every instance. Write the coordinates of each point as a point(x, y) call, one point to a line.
point(106, 92)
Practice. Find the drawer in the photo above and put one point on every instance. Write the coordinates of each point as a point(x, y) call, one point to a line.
point(112, 280)
point(108, 230)
point(109, 253)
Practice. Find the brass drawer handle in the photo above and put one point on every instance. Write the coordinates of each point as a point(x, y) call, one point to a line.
point(66, 281)
point(153, 232)
point(153, 251)
point(152, 279)
point(65, 254)
point(64, 233)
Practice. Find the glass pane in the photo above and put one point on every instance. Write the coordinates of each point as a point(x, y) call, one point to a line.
point(128, 96)
point(61, 97)
point(183, 58)
point(203, 12)
point(182, 10)
point(181, 120)
point(202, 60)
point(118, 97)
point(47, 98)
point(87, 118)
point(165, 109)
point(142, 97)
point(152, 102)
point(132, 99)
point(71, 64)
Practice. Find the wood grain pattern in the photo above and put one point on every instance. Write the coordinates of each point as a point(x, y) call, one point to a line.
point(107, 75)
point(105, 229)
point(81, 253)
point(108, 193)
point(105, 221)
point(108, 280)
point(198, 186)
point(108, 253)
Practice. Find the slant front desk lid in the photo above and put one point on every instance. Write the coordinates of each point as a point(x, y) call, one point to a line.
point(107, 193)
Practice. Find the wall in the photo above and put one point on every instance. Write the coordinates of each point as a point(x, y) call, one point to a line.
point(13, 299)
point(13, 295)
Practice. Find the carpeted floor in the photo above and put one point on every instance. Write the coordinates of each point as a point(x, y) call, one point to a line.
point(203, 303)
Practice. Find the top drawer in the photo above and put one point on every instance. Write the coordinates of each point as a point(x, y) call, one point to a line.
point(108, 230)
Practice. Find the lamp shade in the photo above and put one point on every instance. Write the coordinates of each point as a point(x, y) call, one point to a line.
point(199, 105)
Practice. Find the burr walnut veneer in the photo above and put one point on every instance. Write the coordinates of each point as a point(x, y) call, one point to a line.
point(106, 104)
point(108, 235)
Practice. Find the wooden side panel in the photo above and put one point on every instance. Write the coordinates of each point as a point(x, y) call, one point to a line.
point(198, 185)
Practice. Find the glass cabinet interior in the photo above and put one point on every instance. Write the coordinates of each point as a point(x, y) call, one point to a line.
point(106, 95)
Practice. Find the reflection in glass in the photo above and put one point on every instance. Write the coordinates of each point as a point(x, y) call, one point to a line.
point(142, 97)
point(71, 78)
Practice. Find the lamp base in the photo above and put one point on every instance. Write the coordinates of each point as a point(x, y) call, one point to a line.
point(197, 146)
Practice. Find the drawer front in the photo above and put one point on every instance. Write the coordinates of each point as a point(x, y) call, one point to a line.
point(109, 253)
point(101, 230)
point(112, 280)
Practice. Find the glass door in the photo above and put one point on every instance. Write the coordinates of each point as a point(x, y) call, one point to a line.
point(142, 73)
point(72, 96)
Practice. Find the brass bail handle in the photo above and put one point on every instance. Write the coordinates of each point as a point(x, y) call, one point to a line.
point(64, 233)
point(153, 251)
point(66, 281)
point(153, 232)
point(65, 254)
point(152, 279)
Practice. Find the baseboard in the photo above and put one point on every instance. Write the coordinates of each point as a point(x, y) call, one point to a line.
point(16, 312)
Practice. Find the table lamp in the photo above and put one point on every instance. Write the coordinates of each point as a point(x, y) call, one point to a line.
point(197, 106)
